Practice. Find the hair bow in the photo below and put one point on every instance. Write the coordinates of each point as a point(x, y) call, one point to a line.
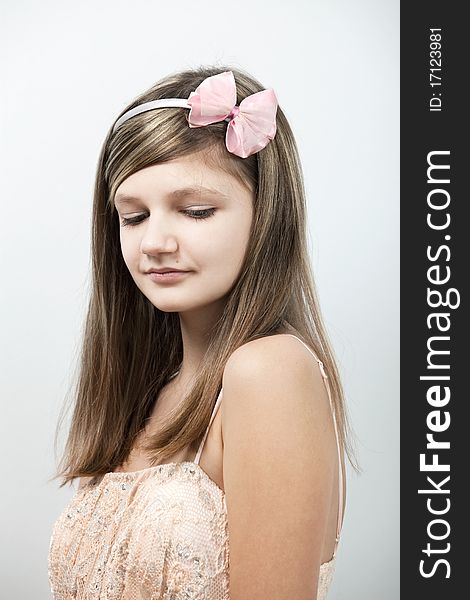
point(251, 125)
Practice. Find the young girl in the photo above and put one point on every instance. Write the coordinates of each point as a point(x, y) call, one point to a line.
point(209, 423)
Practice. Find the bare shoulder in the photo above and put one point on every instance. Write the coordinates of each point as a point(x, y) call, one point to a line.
point(277, 358)
point(268, 376)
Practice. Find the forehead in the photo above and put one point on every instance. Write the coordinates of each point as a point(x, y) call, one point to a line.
point(177, 179)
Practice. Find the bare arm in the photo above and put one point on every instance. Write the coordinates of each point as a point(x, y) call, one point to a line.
point(279, 447)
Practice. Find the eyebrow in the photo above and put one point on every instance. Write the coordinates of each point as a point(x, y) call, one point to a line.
point(174, 195)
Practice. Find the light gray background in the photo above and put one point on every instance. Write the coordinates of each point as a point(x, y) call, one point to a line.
point(68, 69)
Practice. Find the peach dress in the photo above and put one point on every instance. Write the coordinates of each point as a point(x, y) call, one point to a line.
point(160, 533)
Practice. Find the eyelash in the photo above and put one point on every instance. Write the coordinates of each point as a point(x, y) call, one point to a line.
point(207, 212)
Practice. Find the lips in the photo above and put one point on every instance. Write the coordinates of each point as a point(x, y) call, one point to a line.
point(166, 270)
point(167, 276)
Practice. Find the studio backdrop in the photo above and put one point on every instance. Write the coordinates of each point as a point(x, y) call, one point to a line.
point(68, 71)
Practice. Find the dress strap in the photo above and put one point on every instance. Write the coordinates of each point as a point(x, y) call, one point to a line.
point(340, 474)
point(214, 410)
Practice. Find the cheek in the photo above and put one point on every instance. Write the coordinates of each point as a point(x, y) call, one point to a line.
point(224, 251)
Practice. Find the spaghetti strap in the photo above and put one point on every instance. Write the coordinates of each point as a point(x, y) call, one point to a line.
point(201, 445)
point(340, 474)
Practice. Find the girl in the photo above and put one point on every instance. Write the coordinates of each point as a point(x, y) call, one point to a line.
point(209, 423)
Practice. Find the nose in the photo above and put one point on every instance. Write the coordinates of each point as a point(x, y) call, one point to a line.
point(159, 237)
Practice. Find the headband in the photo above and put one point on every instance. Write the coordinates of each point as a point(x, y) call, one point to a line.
point(251, 125)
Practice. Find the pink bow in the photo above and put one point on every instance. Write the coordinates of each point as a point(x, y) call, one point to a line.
point(251, 125)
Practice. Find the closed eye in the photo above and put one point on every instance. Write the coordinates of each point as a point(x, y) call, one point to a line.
point(193, 214)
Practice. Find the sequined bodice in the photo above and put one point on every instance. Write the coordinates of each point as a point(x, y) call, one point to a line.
point(160, 534)
point(156, 533)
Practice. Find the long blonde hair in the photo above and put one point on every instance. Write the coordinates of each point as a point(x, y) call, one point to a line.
point(129, 348)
